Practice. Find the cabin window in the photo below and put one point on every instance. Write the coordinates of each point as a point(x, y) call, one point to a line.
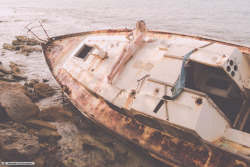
point(218, 83)
point(85, 50)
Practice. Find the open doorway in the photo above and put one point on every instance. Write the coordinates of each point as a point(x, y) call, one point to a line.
point(217, 85)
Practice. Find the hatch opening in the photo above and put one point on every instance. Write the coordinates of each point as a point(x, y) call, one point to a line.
point(84, 51)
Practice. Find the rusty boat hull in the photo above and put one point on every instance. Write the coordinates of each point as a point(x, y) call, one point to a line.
point(175, 145)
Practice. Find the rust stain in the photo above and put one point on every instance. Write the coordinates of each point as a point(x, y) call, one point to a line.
point(163, 145)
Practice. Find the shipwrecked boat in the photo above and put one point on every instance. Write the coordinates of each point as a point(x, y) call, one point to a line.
point(184, 99)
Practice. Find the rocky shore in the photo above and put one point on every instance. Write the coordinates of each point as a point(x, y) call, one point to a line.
point(52, 136)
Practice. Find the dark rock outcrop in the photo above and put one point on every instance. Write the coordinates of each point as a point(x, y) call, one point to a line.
point(17, 146)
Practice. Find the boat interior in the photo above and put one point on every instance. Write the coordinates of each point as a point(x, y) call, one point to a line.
point(218, 86)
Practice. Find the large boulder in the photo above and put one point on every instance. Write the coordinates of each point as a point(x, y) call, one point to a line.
point(16, 104)
point(43, 90)
point(15, 146)
point(54, 113)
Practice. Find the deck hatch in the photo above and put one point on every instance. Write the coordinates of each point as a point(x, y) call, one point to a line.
point(84, 51)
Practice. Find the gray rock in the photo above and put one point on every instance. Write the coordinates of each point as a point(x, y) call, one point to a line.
point(17, 146)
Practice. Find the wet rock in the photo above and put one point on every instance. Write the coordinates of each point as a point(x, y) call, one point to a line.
point(38, 124)
point(30, 49)
point(22, 39)
point(43, 90)
point(28, 41)
point(32, 82)
point(29, 93)
point(3, 70)
point(16, 42)
point(55, 113)
point(48, 135)
point(32, 43)
point(18, 77)
point(14, 68)
point(17, 146)
point(16, 104)
point(11, 47)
